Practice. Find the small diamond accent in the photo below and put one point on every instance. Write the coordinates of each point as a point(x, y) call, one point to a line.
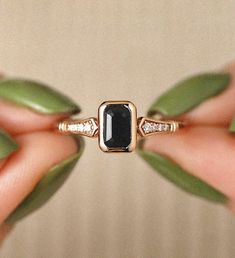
point(147, 127)
point(150, 127)
point(86, 127)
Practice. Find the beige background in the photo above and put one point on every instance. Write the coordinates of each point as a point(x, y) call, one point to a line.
point(115, 205)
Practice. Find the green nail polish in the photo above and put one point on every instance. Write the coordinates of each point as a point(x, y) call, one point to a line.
point(232, 126)
point(189, 93)
point(176, 174)
point(48, 185)
point(7, 144)
point(36, 96)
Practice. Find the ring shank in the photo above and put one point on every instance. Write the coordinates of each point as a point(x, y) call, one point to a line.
point(145, 126)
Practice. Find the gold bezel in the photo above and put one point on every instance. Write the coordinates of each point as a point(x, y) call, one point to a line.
point(132, 144)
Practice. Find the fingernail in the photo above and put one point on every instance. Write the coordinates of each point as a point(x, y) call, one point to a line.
point(232, 126)
point(36, 96)
point(7, 145)
point(177, 175)
point(189, 93)
point(47, 186)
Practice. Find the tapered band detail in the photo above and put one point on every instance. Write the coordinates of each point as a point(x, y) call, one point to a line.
point(148, 126)
point(85, 127)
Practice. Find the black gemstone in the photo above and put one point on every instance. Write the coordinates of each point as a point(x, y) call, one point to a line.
point(117, 126)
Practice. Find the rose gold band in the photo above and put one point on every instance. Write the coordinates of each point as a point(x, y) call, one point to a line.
point(117, 126)
point(145, 126)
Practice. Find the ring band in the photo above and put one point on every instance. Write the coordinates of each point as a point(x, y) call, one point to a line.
point(117, 126)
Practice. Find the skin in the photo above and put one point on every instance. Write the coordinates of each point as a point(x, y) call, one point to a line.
point(40, 149)
point(205, 148)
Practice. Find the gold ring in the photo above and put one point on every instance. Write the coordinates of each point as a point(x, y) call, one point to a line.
point(117, 126)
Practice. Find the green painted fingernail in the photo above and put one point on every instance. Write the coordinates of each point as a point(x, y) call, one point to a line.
point(36, 96)
point(45, 189)
point(232, 126)
point(189, 93)
point(7, 144)
point(176, 174)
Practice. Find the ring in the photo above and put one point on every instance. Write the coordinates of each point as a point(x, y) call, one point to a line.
point(117, 126)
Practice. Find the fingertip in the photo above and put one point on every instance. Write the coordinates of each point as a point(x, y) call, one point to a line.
point(20, 120)
point(40, 151)
point(204, 152)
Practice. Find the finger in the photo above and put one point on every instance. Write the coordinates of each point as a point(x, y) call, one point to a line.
point(7, 146)
point(43, 106)
point(205, 152)
point(19, 120)
point(4, 231)
point(218, 110)
point(38, 153)
point(2, 162)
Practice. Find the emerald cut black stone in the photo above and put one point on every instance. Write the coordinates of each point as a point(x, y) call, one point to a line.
point(117, 126)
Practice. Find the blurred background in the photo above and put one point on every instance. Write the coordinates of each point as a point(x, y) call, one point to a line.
point(115, 206)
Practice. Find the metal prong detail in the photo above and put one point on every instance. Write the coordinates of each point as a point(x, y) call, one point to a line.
point(147, 126)
point(86, 127)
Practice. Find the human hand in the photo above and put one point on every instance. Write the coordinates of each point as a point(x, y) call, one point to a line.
point(203, 150)
point(199, 158)
point(34, 159)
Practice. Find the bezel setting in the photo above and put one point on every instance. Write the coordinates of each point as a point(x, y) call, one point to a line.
point(133, 124)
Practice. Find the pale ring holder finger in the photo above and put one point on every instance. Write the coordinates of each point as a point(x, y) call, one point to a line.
point(117, 126)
